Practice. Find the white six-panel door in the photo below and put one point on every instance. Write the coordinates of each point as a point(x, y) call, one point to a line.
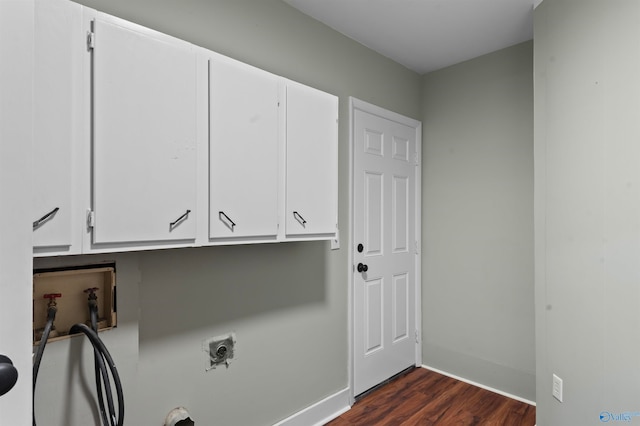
point(385, 248)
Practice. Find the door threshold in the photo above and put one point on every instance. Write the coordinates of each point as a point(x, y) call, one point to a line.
point(385, 382)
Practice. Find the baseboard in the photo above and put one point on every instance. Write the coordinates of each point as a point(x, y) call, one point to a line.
point(462, 379)
point(321, 412)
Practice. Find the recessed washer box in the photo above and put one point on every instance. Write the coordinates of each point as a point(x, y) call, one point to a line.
point(74, 285)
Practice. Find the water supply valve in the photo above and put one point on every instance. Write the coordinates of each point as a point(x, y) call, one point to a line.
point(93, 298)
point(52, 299)
point(92, 292)
point(52, 310)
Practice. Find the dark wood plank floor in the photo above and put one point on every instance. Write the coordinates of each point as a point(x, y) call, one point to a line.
point(423, 397)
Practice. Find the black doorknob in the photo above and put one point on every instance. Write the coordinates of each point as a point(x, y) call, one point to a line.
point(8, 375)
point(362, 267)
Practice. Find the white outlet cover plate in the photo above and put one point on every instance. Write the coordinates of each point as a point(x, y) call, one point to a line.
point(557, 388)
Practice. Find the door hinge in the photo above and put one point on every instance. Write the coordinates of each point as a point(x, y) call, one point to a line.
point(417, 336)
point(91, 219)
point(91, 40)
point(416, 160)
point(416, 246)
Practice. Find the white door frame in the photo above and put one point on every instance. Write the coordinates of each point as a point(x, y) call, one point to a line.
point(16, 191)
point(357, 104)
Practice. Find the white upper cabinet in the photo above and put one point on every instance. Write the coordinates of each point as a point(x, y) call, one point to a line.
point(243, 151)
point(59, 44)
point(144, 135)
point(145, 141)
point(311, 162)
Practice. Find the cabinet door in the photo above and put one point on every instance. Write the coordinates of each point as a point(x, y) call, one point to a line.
point(58, 44)
point(243, 145)
point(311, 162)
point(144, 135)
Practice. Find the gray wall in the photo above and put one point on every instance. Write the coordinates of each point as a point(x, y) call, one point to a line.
point(587, 156)
point(287, 303)
point(477, 262)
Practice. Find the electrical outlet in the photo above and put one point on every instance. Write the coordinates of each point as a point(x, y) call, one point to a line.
point(557, 388)
point(219, 350)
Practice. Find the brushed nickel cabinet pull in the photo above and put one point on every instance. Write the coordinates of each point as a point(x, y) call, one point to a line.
point(221, 213)
point(44, 218)
point(299, 218)
point(180, 219)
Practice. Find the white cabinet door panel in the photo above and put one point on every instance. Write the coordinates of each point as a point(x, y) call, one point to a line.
point(144, 158)
point(16, 183)
point(243, 191)
point(57, 115)
point(311, 161)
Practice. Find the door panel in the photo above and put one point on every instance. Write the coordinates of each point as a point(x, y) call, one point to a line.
point(384, 222)
point(243, 151)
point(374, 315)
point(57, 90)
point(16, 203)
point(400, 303)
point(400, 214)
point(144, 159)
point(373, 213)
point(311, 162)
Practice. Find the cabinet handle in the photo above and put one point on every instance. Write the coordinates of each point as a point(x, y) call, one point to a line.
point(221, 213)
point(44, 218)
point(299, 218)
point(178, 220)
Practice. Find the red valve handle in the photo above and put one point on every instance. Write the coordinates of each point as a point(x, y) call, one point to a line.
point(52, 296)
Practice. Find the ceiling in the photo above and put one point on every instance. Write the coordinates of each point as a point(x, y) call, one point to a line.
point(426, 35)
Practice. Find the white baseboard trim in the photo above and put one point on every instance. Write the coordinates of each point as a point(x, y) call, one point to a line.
point(321, 412)
point(490, 389)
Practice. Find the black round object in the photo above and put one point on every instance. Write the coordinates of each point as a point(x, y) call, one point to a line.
point(8, 375)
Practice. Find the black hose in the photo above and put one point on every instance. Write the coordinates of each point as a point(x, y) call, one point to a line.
point(99, 346)
point(51, 315)
point(99, 369)
point(101, 375)
point(102, 360)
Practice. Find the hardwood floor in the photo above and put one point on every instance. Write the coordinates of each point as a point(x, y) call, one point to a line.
point(423, 397)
